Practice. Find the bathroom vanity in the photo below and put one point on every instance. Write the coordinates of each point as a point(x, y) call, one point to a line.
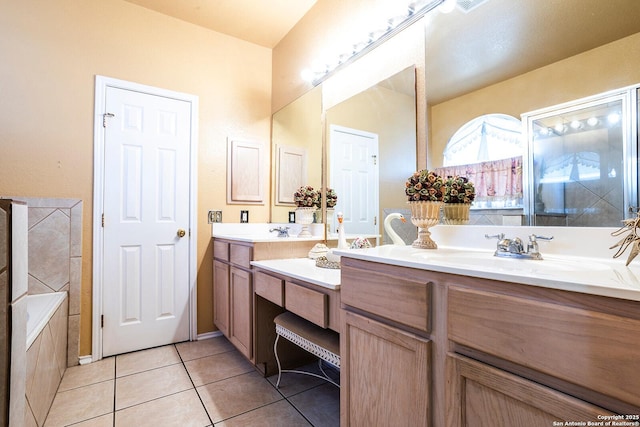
point(298, 286)
point(235, 246)
point(455, 337)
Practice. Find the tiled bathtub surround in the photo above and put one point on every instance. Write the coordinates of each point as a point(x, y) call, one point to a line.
point(13, 321)
point(46, 364)
point(55, 256)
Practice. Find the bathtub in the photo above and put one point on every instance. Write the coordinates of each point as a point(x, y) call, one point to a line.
point(46, 361)
point(40, 309)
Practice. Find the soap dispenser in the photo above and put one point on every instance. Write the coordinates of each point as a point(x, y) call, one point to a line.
point(342, 240)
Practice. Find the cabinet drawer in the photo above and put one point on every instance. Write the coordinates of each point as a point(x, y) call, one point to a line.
point(596, 350)
point(269, 287)
point(240, 255)
point(392, 296)
point(221, 250)
point(307, 303)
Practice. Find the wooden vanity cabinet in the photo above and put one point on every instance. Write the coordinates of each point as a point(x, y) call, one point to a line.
point(583, 349)
point(484, 396)
point(233, 285)
point(276, 293)
point(385, 348)
point(233, 293)
point(385, 375)
point(491, 353)
point(221, 296)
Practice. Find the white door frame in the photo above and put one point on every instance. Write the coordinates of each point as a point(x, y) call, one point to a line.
point(101, 85)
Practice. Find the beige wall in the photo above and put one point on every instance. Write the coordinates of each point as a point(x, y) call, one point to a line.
point(51, 51)
point(609, 67)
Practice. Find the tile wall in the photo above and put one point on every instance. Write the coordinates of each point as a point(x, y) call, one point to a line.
point(46, 364)
point(55, 257)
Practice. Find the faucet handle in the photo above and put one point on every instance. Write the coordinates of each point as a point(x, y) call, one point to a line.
point(498, 236)
point(534, 237)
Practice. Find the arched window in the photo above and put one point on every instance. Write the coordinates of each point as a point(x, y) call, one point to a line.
point(488, 150)
point(485, 138)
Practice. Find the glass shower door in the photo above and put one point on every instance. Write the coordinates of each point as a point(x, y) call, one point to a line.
point(582, 167)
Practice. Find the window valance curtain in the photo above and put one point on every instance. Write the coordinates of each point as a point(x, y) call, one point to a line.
point(498, 183)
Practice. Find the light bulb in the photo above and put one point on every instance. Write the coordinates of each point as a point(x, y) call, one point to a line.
point(613, 118)
point(307, 75)
point(447, 6)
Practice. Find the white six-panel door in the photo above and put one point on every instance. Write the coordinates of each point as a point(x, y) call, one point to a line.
point(146, 221)
point(354, 177)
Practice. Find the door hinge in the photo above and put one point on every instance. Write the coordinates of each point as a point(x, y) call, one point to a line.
point(375, 159)
point(102, 320)
point(375, 220)
point(104, 118)
point(102, 220)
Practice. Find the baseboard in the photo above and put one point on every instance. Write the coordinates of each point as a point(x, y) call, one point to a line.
point(85, 360)
point(208, 335)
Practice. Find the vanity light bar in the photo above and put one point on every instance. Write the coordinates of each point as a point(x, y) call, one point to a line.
point(415, 11)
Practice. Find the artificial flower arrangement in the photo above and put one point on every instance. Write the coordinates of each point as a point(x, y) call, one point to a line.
point(458, 189)
point(306, 197)
point(425, 185)
point(332, 198)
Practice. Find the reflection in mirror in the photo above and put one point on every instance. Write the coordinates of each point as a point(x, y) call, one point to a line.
point(488, 150)
point(578, 162)
point(515, 57)
point(384, 114)
point(296, 144)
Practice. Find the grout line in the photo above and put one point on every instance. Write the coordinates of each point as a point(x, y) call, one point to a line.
point(194, 386)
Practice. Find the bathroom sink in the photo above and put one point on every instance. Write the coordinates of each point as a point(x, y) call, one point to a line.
point(549, 265)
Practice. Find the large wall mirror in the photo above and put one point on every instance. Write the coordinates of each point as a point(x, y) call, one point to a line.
point(371, 145)
point(513, 57)
point(296, 151)
point(498, 57)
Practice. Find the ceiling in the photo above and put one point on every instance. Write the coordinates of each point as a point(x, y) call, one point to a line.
point(263, 22)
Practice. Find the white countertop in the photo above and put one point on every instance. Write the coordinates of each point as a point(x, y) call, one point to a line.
point(252, 238)
point(259, 232)
point(302, 269)
point(597, 276)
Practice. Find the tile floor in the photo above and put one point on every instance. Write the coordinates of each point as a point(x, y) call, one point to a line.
point(200, 383)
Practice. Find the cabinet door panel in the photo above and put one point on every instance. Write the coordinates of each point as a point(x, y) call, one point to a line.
point(241, 307)
point(483, 396)
point(221, 296)
point(385, 375)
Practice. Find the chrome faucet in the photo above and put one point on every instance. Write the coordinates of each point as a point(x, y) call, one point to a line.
point(513, 248)
point(282, 231)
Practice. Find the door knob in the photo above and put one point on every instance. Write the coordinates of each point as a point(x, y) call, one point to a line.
point(181, 232)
